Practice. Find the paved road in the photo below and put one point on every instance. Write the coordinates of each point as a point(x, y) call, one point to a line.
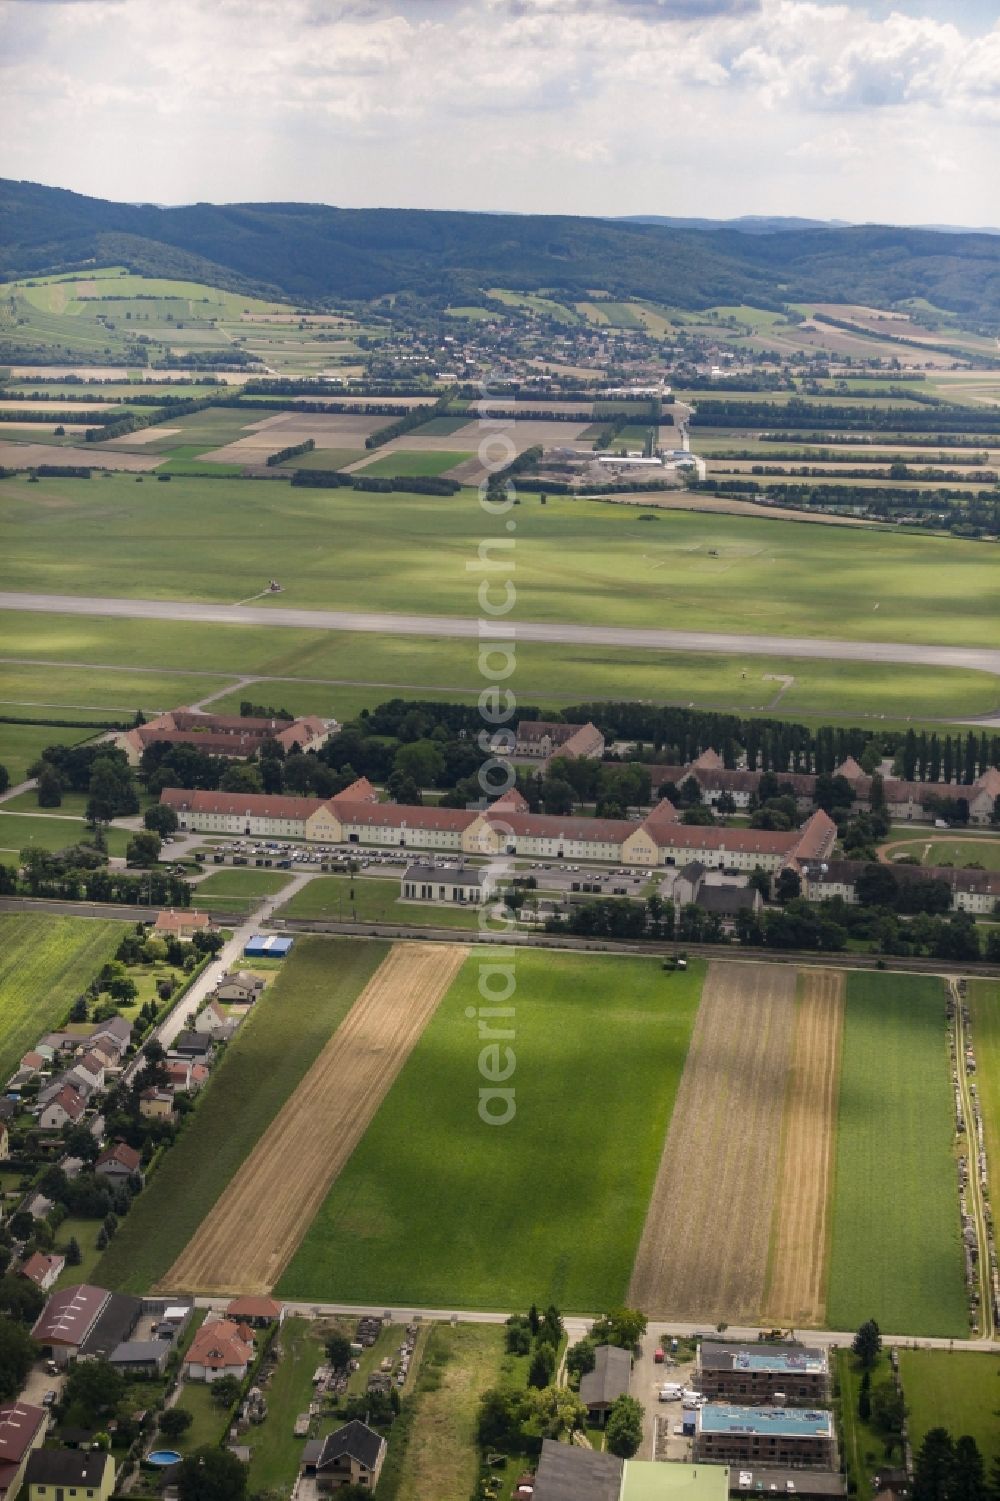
point(982, 659)
point(577, 1325)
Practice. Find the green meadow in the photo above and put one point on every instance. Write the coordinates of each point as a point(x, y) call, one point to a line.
point(45, 963)
point(576, 561)
point(437, 1207)
point(896, 1253)
point(302, 1006)
point(984, 1001)
point(44, 831)
point(21, 744)
point(954, 1389)
point(414, 461)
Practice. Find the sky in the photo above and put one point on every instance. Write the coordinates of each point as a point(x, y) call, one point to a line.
point(885, 112)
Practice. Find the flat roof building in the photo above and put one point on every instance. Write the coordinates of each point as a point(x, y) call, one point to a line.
point(751, 1373)
point(786, 1436)
point(806, 1485)
point(647, 1480)
point(470, 884)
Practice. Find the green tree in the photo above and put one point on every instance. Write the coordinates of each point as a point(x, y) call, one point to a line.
point(20, 1299)
point(623, 1326)
point(17, 1353)
point(143, 850)
point(49, 787)
point(241, 778)
point(867, 1344)
point(970, 1473)
point(338, 1351)
point(934, 1467)
point(110, 791)
point(175, 1421)
point(160, 819)
point(211, 1474)
point(421, 761)
point(543, 1365)
point(93, 1389)
point(226, 1391)
point(581, 1357)
point(623, 1431)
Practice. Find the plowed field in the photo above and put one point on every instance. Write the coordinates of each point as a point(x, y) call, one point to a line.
point(797, 1288)
point(246, 1240)
point(704, 1248)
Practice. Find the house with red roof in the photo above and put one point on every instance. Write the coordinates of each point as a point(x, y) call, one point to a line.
point(64, 1109)
point(221, 1348)
point(118, 1163)
point(42, 1270)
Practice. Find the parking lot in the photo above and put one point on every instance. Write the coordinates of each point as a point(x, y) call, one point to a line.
point(659, 1440)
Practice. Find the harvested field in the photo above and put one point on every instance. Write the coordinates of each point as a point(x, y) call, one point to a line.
point(685, 500)
point(291, 1169)
point(28, 455)
point(797, 1283)
point(704, 1247)
point(286, 429)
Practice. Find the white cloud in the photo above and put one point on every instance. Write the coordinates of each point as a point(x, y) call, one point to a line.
point(564, 105)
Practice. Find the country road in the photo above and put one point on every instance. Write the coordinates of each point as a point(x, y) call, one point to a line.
point(976, 658)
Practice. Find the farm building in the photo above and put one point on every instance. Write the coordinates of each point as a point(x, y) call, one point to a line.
point(22, 1429)
point(609, 1380)
point(69, 1472)
point(352, 1455)
point(258, 1312)
point(471, 884)
point(789, 1436)
point(141, 1359)
point(805, 1485)
point(751, 1373)
point(67, 1319)
point(267, 946)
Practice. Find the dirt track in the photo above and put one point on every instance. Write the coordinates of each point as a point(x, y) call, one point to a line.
point(703, 1253)
point(797, 1289)
point(247, 1239)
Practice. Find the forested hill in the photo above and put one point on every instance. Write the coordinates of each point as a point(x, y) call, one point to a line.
point(311, 251)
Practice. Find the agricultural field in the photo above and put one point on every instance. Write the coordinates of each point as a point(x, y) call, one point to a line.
point(695, 1259)
point(984, 1002)
point(577, 561)
point(285, 1178)
point(954, 1389)
point(437, 1207)
point(45, 963)
point(403, 462)
point(263, 1066)
point(895, 1251)
point(800, 1235)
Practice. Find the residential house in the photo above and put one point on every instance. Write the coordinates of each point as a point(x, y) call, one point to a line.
point(55, 1474)
point(352, 1455)
point(193, 1045)
point(22, 1429)
point(221, 1348)
point(65, 1108)
point(42, 1270)
point(156, 1104)
point(183, 925)
point(567, 1472)
point(119, 1163)
point(609, 1380)
point(760, 1373)
point(785, 1436)
point(212, 1021)
point(241, 987)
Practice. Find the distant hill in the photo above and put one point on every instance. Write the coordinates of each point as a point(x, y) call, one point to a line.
point(313, 252)
point(748, 224)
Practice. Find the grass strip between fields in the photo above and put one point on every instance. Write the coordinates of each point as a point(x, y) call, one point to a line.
point(269, 1056)
point(896, 1251)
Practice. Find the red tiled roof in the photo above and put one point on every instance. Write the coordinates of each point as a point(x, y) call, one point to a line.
point(740, 841)
point(122, 1154)
point(555, 826)
point(71, 1101)
point(405, 816)
point(358, 791)
point(39, 1266)
point(250, 1307)
point(218, 1345)
point(173, 922)
point(241, 804)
